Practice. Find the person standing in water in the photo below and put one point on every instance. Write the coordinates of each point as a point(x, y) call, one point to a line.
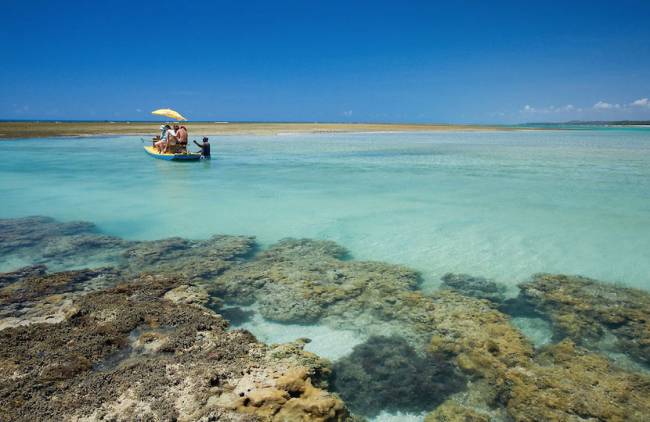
point(205, 147)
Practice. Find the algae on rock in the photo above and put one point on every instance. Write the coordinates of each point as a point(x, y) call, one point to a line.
point(146, 349)
point(569, 383)
point(149, 346)
point(585, 310)
point(386, 373)
point(478, 287)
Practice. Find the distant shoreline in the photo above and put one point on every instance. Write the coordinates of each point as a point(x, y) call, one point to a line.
point(36, 129)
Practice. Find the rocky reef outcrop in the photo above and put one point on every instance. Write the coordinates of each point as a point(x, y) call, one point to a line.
point(461, 325)
point(30, 295)
point(24, 234)
point(302, 280)
point(144, 349)
point(587, 311)
point(307, 280)
point(45, 241)
point(196, 260)
point(141, 337)
point(451, 411)
point(478, 287)
point(568, 383)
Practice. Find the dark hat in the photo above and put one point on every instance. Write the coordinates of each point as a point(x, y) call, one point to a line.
point(205, 139)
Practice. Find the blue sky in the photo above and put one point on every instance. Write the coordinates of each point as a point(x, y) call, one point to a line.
point(394, 61)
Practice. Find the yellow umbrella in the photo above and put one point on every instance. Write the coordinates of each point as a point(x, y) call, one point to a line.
point(168, 112)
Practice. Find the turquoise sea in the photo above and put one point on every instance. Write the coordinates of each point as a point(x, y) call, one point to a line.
point(503, 205)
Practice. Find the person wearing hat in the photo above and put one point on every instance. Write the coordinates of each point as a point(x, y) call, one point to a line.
point(163, 129)
point(205, 147)
point(162, 143)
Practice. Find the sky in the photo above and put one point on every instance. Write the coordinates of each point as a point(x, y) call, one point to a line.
point(318, 61)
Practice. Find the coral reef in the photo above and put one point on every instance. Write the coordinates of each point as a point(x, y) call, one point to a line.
point(43, 240)
point(568, 383)
point(481, 338)
point(298, 280)
point(193, 259)
point(147, 350)
point(450, 411)
point(306, 280)
point(143, 336)
point(23, 234)
point(30, 295)
point(478, 287)
point(586, 310)
point(386, 373)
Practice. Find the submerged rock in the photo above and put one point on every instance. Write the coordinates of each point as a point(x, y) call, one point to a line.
point(568, 383)
point(302, 280)
point(478, 287)
point(305, 280)
point(33, 282)
point(21, 234)
point(146, 353)
point(143, 339)
point(450, 411)
point(386, 373)
point(30, 295)
point(59, 245)
point(478, 337)
point(194, 259)
point(44, 240)
point(586, 310)
point(22, 273)
point(297, 280)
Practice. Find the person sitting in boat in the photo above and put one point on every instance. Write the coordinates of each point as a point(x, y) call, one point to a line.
point(181, 134)
point(171, 140)
point(162, 141)
point(205, 147)
point(162, 134)
point(172, 144)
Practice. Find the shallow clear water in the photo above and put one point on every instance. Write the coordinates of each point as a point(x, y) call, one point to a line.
point(326, 342)
point(497, 204)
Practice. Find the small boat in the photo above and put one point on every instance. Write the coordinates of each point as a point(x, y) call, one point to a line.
point(190, 156)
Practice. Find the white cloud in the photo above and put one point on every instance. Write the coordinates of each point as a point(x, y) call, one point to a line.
point(347, 113)
point(602, 105)
point(550, 109)
point(641, 102)
point(599, 110)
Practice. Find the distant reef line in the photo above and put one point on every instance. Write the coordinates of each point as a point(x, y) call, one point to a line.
point(34, 129)
point(593, 123)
